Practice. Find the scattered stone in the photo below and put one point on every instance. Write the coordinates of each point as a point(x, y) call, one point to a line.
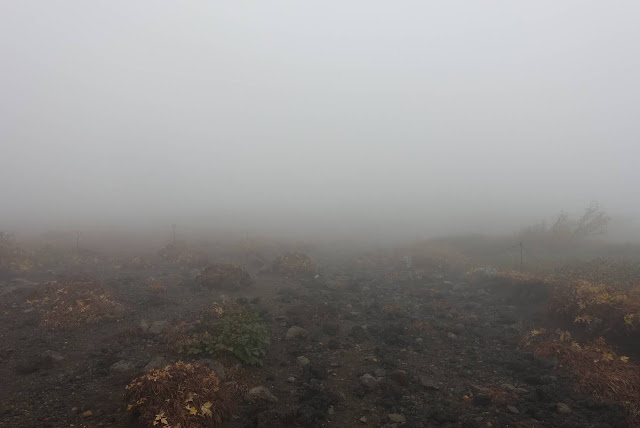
point(477, 389)
point(380, 372)
point(262, 393)
point(302, 361)
point(291, 379)
point(157, 327)
point(428, 384)
point(396, 418)
point(155, 363)
point(87, 414)
point(563, 409)
point(486, 272)
point(28, 310)
point(330, 411)
point(513, 409)
point(53, 355)
point(358, 333)
point(122, 366)
point(451, 335)
point(459, 329)
point(369, 381)
point(363, 419)
point(330, 328)
point(296, 333)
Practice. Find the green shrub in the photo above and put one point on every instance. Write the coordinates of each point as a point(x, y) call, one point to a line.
point(241, 332)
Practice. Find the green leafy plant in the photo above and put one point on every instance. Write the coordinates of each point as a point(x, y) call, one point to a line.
point(241, 332)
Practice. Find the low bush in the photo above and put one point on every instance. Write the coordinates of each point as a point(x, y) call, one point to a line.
point(296, 264)
point(598, 298)
point(239, 331)
point(607, 376)
point(596, 307)
point(180, 395)
point(74, 301)
point(224, 276)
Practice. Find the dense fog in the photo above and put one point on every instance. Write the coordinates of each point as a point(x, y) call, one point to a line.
point(371, 118)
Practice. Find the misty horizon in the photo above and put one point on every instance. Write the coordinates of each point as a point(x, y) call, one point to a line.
point(409, 120)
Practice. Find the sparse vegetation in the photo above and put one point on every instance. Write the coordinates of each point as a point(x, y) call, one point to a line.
point(224, 276)
point(319, 214)
point(565, 233)
point(408, 297)
point(74, 301)
point(599, 370)
point(183, 255)
point(598, 308)
point(156, 287)
point(14, 258)
point(295, 264)
point(240, 331)
point(180, 395)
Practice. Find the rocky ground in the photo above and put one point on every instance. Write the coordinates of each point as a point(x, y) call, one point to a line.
point(365, 350)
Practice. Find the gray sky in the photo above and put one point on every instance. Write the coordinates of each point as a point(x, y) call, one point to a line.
point(335, 115)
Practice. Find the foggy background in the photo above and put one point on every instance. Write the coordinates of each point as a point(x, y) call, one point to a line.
point(337, 118)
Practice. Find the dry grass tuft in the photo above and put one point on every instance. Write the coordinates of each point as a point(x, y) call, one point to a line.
point(596, 304)
point(181, 255)
point(139, 263)
point(421, 326)
point(155, 286)
point(608, 377)
point(519, 278)
point(294, 264)
point(224, 276)
point(180, 395)
point(74, 301)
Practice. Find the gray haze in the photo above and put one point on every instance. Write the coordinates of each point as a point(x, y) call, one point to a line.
point(374, 117)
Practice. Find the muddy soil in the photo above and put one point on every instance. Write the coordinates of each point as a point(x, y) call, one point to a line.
point(427, 352)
